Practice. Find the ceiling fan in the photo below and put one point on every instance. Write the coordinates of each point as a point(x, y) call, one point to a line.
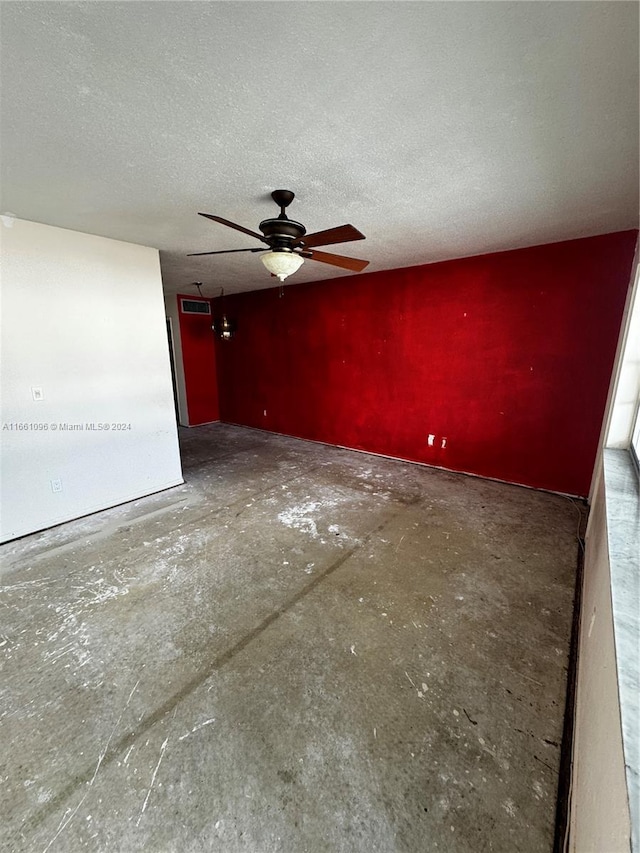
point(289, 244)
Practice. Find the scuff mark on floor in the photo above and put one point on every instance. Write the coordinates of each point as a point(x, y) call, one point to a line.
point(153, 780)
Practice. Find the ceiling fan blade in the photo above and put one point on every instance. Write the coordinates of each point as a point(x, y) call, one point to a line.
point(233, 225)
point(353, 264)
point(341, 234)
point(225, 252)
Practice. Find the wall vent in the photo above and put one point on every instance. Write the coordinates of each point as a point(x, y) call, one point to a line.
point(195, 306)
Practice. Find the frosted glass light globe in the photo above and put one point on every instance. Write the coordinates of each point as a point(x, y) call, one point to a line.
point(282, 264)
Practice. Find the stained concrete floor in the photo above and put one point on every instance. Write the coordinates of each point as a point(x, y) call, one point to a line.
point(302, 649)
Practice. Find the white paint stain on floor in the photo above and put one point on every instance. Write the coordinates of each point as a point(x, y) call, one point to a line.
point(197, 728)
point(303, 517)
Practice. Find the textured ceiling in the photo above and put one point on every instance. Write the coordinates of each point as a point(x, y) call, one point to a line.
point(438, 129)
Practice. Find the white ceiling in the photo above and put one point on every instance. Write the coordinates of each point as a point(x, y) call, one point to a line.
point(439, 129)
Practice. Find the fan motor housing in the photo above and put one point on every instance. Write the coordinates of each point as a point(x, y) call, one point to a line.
point(282, 233)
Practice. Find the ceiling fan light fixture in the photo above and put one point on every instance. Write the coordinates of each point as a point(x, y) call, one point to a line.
point(282, 264)
point(288, 241)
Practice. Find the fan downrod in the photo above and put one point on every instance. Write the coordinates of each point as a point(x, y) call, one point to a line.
point(283, 199)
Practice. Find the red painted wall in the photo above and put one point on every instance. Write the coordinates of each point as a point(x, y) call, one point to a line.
point(506, 356)
point(199, 359)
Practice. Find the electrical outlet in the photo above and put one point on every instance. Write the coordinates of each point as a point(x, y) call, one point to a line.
point(56, 485)
point(430, 439)
point(37, 392)
point(265, 413)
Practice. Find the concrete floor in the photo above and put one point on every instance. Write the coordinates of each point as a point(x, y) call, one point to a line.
point(302, 649)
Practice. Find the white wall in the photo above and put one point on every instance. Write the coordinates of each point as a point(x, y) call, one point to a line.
point(171, 308)
point(82, 319)
point(599, 815)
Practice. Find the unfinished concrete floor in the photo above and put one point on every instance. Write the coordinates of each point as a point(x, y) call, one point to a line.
point(302, 649)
